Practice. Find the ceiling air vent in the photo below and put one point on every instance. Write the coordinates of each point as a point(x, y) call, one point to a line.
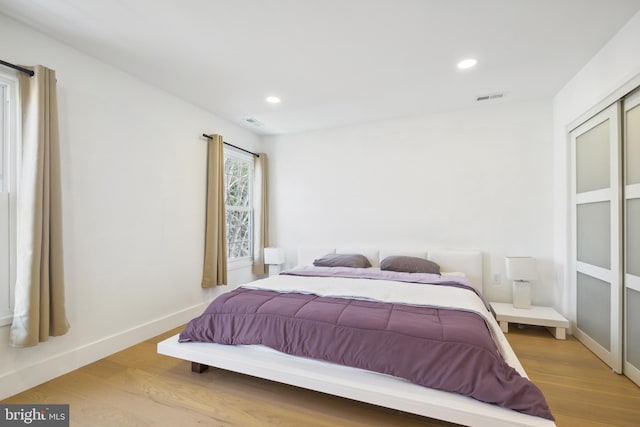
point(490, 97)
point(253, 121)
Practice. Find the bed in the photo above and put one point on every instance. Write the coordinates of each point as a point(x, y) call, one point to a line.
point(354, 382)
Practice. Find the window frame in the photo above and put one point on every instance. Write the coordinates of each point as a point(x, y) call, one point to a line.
point(246, 261)
point(9, 144)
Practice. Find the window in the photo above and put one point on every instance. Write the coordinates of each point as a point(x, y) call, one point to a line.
point(238, 179)
point(8, 175)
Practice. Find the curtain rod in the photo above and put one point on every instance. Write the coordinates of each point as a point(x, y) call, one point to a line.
point(17, 67)
point(231, 145)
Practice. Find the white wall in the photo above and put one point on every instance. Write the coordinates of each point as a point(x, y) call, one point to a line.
point(133, 176)
point(474, 179)
point(608, 75)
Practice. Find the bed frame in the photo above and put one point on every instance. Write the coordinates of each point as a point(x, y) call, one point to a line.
point(358, 384)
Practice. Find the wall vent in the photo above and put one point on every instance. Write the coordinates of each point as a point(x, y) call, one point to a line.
point(490, 97)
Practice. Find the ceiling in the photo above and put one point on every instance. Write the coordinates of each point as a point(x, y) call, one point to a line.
point(335, 62)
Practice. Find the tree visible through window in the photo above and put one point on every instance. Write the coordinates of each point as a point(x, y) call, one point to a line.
point(238, 171)
point(8, 186)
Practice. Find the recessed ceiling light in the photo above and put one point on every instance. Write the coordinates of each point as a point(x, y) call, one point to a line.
point(272, 99)
point(467, 63)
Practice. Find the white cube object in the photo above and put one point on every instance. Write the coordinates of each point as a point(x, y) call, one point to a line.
point(273, 256)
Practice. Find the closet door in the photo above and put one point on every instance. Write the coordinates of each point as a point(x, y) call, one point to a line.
point(596, 267)
point(631, 152)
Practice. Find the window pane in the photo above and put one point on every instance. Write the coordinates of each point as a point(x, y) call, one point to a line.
point(594, 309)
point(594, 233)
point(238, 229)
point(633, 237)
point(3, 147)
point(237, 182)
point(5, 250)
point(633, 146)
point(592, 159)
point(8, 118)
point(237, 176)
point(633, 327)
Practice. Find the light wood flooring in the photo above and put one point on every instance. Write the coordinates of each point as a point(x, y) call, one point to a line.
point(137, 387)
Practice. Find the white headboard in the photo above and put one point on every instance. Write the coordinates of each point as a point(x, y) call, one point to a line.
point(467, 262)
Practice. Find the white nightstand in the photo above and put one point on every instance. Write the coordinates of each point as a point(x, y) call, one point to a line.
point(539, 316)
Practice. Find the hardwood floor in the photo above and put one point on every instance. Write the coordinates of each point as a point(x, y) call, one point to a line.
point(580, 389)
point(137, 387)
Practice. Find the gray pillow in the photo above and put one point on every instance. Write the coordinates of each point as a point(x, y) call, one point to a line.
point(409, 264)
point(343, 260)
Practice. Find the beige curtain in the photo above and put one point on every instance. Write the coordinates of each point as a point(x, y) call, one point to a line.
point(39, 291)
point(260, 213)
point(215, 245)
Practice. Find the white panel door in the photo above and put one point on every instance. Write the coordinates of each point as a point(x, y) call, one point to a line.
point(631, 174)
point(596, 245)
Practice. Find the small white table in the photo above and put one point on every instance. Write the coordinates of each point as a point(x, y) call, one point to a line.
point(539, 316)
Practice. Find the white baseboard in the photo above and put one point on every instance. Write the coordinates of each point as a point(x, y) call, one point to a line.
point(26, 377)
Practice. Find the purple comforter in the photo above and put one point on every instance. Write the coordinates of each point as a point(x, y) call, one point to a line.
point(439, 348)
